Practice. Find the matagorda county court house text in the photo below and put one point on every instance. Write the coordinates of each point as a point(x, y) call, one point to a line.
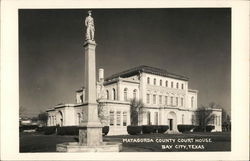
point(166, 97)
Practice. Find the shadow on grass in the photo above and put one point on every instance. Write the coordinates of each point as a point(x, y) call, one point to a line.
point(37, 142)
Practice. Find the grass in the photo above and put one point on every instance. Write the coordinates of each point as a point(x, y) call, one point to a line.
point(37, 142)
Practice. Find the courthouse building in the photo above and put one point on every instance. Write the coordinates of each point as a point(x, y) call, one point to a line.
point(166, 96)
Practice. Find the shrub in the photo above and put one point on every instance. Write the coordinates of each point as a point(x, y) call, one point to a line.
point(209, 128)
point(105, 130)
point(185, 128)
point(68, 130)
point(28, 127)
point(40, 129)
point(74, 130)
point(134, 130)
point(50, 130)
point(162, 128)
point(147, 129)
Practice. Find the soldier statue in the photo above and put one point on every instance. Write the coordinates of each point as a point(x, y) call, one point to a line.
point(89, 23)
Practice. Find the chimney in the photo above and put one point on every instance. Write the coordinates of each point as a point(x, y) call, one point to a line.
point(101, 75)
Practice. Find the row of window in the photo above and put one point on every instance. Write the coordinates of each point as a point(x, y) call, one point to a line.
point(156, 118)
point(119, 121)
point(177, 85)
point(179, 101)
point(125, 94)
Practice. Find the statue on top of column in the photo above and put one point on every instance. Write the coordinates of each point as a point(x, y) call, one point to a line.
point(90, 31)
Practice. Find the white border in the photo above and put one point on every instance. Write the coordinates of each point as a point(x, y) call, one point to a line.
point(9, 80)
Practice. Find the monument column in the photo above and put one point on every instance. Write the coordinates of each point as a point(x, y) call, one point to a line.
point(90, 132)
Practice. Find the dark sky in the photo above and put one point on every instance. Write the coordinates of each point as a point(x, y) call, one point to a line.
point(191, 42)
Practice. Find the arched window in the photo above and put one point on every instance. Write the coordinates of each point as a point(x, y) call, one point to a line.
point(114, 94)
point(154, 81)
point(160, 82)
point(148, 80)
point(154, 99)
point(181, 102)
point(107, 94)
point(134, 93)
point(182, 86)
point(171, 101)
point(166, 83)
point(177, 101)
point(172, 84)
point(125, 94)
point(192, 102)
point(182, 118)
point(177, 85)
point(148, 98)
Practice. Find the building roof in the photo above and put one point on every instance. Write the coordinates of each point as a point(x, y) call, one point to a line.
point(146, 69)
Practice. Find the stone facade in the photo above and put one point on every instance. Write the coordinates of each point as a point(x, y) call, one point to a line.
point(166, 96)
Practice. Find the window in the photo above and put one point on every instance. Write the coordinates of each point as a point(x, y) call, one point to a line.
point(166, 100)
point(125, 94)
point(79, 118)
point(192, 102)
point(160, 82)
point(182, 118)
point(114, 94)
point(171, 101)
point(160, 99)
point(193, 120)
point(154, 81)
point(148, 80)
point(219, 120)
point(154, 99)
point(156, 118)
point(107, 94)
point(134, 93)
point(111, 115)
point(124, 118)
point(166, 83)
point(118, 118)
point(181, 102)
point(177, 99)
point(172, 84)
point(148, 98)
point(182, 86)
point(149, 118)
point(177, 85)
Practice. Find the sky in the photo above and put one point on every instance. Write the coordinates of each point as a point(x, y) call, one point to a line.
point(194, 42)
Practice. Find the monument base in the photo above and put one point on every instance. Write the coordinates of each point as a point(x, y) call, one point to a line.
point(76, 147)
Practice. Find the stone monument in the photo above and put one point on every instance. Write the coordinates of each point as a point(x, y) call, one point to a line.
point(90, 133)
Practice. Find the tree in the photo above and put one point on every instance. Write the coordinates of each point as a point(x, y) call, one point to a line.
point(43, 117)
point(205, 114)
point(226, 121)
point(136, 110)
point(22, 111)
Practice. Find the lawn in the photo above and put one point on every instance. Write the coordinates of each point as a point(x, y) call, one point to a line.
point(37, 142)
